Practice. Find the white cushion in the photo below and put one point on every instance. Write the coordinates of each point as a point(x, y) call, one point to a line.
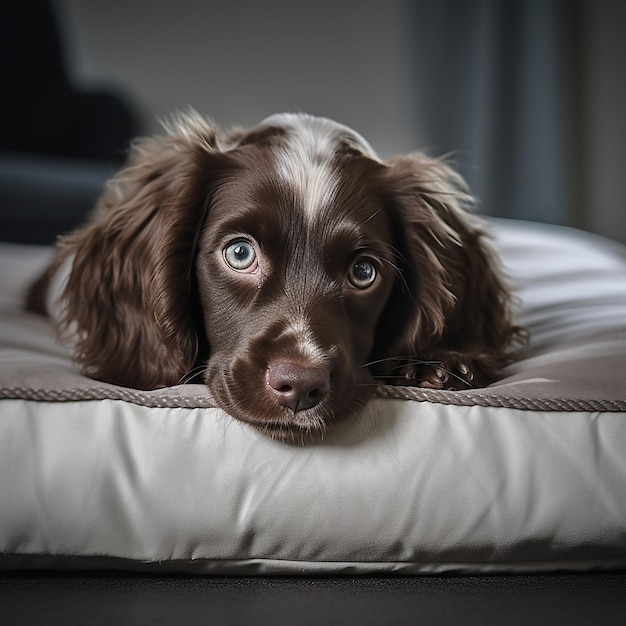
point(526, 475)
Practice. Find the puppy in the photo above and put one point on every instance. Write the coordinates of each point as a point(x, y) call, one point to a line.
point(290, 268)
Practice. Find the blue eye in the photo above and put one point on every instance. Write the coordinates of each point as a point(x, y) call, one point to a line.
point(362, 273)
point(240, 255)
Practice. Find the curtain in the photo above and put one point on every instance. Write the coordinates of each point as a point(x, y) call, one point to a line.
point(498, 91)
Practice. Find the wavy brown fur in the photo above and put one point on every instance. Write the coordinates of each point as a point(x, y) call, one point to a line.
point(149, 297)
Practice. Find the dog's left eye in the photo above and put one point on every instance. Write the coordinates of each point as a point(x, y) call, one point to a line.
point(240, 255)
point(362, 274)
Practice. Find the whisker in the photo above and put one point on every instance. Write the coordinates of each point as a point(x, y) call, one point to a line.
point(404, 361)
point(457, 377)
point(399, 273)
point(191, 374)
point(373, 215)
point(397, 253)
point(356, 406)
point(372, 384)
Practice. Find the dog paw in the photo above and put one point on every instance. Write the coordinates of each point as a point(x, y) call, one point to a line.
point(453, 373)
point(460, 374)
point(432, 377)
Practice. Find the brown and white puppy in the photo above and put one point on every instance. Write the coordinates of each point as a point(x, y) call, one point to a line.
point(290, 267)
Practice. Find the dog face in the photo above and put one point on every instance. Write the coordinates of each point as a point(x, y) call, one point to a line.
point(291, 266)
point(295, 266)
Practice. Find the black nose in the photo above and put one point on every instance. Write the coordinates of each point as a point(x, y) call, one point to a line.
point(296, 386)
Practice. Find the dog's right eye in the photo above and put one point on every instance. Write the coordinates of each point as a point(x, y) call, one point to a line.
point(240, 255)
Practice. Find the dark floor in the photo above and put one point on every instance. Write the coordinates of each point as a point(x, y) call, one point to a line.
point(66, 599)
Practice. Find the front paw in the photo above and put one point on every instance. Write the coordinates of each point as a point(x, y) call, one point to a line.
point(432, 377)
point(459, 372)
point(452, 372)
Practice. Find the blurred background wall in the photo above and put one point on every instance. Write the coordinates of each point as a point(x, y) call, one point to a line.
point(527, 96)
point(239, 61)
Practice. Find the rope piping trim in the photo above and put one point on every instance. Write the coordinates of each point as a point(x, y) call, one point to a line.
point(205, 401)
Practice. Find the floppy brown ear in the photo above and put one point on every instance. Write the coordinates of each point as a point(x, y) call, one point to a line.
point(448, 323)
point(129, 298)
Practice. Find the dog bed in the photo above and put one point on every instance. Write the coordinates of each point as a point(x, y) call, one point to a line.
point(528, 474)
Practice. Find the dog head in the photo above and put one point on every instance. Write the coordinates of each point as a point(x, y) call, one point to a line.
point(291, 267)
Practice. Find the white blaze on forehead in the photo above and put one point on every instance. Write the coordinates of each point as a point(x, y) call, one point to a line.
point(305, 160)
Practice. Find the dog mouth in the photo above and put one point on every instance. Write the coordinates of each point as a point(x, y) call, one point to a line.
point(290, 432)
point(291, 427)
point(252, 400)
